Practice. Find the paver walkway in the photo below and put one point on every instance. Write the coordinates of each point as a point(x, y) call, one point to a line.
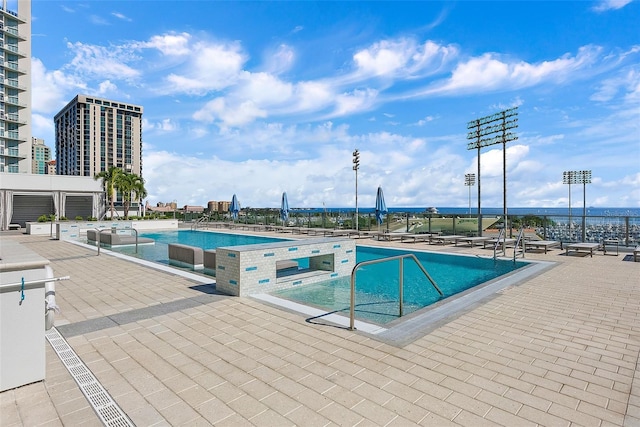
point(560, 349)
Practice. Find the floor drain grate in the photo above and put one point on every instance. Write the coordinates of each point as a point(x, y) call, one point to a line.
point(105, 407)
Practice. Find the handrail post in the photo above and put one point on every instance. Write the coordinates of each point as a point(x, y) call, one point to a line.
point(352, 308)
point(401, 284)
point(136, 232)
point(99, 238)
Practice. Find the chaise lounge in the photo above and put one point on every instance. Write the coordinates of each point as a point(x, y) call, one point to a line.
point(582, 247)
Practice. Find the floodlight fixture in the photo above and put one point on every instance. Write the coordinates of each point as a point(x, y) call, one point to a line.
point(491, 130)
point(578, 177)
point(356, 166)
point(469, 181)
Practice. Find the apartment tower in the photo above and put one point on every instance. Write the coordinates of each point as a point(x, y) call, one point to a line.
point(93, 134)
point(15, 88)
point(41, 156)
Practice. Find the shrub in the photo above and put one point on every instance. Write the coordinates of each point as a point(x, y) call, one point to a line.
point(79, 218)
point(43, 218)
point(92, 218)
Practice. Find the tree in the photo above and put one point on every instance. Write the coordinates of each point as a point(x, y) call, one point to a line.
point(131, 187)
point(109, 178)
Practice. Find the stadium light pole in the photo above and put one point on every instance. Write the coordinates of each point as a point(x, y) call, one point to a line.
point(585, 178)
point(569, 177)
point(578, 177)
point(469, 181)
point(356, 166)
point(491, 130)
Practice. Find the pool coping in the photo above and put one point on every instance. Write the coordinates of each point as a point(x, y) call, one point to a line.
point(399, 332)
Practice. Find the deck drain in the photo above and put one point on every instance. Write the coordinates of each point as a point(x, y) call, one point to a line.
point(105, 407)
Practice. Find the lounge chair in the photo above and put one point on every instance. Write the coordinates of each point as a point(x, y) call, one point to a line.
point(412, 237)
point(442, 240)
point(538, 244)
point(472, 240)
point(582, 247)
point(499, 242)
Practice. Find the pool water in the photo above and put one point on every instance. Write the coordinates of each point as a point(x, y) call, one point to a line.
point(159, 252)
point(376, 285)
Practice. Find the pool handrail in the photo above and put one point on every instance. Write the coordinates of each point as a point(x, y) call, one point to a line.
point(501, 235)
point(400, 281)
point(519, 243)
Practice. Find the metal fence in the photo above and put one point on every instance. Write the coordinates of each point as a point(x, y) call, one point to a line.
point(576, 228)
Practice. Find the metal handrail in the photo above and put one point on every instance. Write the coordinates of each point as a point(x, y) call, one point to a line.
point(202, 219)
point(400, 281)
point(18, 285)
point(109, 230)
point(495, 247)
point(519, 241)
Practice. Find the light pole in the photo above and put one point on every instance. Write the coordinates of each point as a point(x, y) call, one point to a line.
point(569, 177)
point(490, 130)
point(578, 177)
point(469, 181)
point(356, 166)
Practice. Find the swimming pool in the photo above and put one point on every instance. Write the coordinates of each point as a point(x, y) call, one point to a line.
point(376, 285)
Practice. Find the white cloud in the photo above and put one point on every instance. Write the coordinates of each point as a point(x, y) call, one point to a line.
point(218, 110)
point(106, 87)
point(401, 57)
point(211, 66)
point(355, 101)
point(606, 5)
point(50, 88)
point(121, 16)
point(169, 44)
point(489, 72)
point(102, 62)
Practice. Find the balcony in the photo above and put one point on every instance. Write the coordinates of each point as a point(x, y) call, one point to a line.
point(13, 83)
point(14, 32)
point(12, 100)
point(13, 49)
point(14, 66)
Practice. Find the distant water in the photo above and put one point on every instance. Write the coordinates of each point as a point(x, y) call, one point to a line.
point(576, 211)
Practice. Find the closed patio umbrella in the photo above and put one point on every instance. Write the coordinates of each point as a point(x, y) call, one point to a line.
point(284, 209)
point(381, 207)
point(234, 207)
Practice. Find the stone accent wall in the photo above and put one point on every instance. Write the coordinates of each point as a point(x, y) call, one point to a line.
point(251, 269)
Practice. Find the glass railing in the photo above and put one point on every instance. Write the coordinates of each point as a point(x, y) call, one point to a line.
point(623, 228)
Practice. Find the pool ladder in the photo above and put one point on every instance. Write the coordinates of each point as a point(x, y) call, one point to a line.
point(518, 248)
point(401, 258)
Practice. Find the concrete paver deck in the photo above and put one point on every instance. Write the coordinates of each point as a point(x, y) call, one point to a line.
point(560, 349)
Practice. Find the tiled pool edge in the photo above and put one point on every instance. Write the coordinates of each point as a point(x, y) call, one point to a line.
point(422, 322)
point(406, 330)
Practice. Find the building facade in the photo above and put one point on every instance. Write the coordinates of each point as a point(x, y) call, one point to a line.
point(51, 167)
point(15, 88)
point(40, 156)
point(93, 134)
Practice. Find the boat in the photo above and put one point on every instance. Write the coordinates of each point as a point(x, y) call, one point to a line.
point(431, 210)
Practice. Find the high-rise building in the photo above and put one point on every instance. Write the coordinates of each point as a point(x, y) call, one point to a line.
point(51, 167)
point(93, 134)
point(40, 156)
point(15, 88)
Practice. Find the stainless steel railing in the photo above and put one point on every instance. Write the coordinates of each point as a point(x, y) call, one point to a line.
point(400, 281)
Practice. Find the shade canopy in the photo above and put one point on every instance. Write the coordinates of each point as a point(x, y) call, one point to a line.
point(234, 207)
point(381, 207)
point(284, 208)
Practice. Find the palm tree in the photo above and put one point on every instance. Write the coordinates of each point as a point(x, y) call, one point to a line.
point(109, 178)
point(131, 186)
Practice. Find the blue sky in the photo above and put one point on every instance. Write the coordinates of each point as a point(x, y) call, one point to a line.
point(257, 98)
